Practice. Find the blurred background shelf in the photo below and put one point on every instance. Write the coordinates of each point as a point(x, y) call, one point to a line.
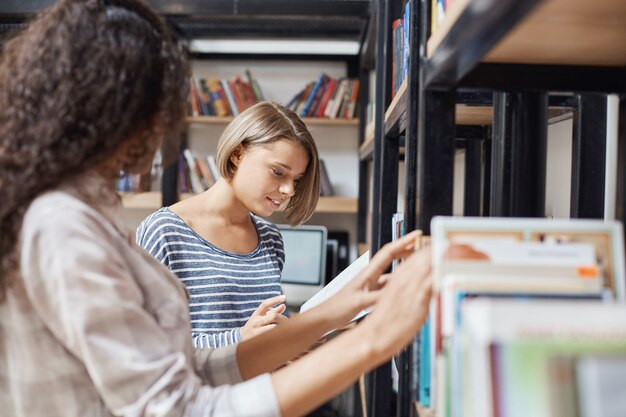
point(152, 201)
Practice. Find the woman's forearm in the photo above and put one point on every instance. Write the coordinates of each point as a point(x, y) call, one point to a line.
point(325, 372)
point(270, 350)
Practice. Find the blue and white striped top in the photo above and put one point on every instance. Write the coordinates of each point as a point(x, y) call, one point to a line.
point(224, 287)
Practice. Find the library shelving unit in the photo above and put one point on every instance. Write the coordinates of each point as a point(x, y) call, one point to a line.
point(484, 76)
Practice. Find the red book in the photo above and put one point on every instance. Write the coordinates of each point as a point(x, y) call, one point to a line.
point(237, 95)
point(328, 93)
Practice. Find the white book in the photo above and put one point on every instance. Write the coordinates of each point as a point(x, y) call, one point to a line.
point(213, 167)
point(196, 184)
point(601, 385)
point(338, 283)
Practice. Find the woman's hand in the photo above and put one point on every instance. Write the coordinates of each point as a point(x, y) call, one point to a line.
point(402, 306)
point(265, 317)
point(364, 289)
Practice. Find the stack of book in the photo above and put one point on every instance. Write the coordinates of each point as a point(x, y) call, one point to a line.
point(195, 173)
point(327, 97)
point(213, 97)
point(400, 48)
point(525, 319)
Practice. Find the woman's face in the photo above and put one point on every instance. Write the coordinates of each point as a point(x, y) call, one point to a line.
point(267, 175)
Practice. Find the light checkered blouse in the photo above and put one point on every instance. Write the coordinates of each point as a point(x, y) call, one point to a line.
point(97, 327)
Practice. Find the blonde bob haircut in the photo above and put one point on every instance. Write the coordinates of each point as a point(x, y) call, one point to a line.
point(262, 124)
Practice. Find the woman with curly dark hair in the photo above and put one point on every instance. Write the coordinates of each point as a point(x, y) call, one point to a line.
point(90, 324)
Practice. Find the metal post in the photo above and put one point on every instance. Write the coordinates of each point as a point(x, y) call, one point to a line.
point(518, 177)
point(589, 157)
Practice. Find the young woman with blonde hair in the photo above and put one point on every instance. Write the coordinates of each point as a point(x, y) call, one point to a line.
point(218, 243)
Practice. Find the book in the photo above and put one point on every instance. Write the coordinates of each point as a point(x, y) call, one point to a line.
point(326, 187)
point(336, 284)
point(526, 335)
point(311, 96)
point(600, 385)
point(196, 184)
point(215, 172)
point(232, 104)
point(258, 94)
point(328, 93)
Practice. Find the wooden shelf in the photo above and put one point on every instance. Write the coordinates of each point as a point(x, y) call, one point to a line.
point(465, 114)
point(145, 201)
point(309, 121)
point(348, 205)
point(152, 201)
point(556, 32)
point(398, 104)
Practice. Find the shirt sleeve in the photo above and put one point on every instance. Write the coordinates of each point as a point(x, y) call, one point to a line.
point(216, 340)
point(149, 236)
point(87, 297)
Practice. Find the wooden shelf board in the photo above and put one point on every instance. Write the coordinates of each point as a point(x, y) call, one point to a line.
point(366, 144)
point(396, 100)
point(568, 32)
point(146, 201)
point(152, 201)
point(557, 32)
point(337, 205)
point(309, 121)
point(474, 115)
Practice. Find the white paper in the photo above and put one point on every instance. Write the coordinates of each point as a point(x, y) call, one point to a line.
point(338, 283)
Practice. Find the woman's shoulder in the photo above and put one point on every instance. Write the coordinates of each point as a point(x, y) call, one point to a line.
point(266, 229)
point(159, 222)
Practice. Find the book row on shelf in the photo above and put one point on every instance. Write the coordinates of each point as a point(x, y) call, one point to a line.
point(400, 49)
point(214, 97)
point(198, 173)
point(327, 97)
point(527, 318)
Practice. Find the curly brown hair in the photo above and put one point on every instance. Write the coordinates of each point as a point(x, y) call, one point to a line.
point(84, 77)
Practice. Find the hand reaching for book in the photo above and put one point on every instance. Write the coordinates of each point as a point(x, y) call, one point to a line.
point(363, 291)
point(265, 317)
point(402, 305)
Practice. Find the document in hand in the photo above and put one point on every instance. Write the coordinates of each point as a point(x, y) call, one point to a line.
point(338, 283)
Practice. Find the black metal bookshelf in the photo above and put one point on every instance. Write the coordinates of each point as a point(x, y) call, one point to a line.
point(473, 60)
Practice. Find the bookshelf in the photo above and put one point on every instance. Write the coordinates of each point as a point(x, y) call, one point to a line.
point(152, 201)
point(509, 54)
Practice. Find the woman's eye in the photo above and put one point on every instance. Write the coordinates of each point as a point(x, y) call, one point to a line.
point(277, 172)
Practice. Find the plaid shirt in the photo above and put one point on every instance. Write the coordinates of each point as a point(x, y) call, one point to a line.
point(97, 327)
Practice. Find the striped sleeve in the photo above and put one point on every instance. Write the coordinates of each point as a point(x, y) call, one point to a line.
point(151, 235)
point(270, 234)
point(216, 340)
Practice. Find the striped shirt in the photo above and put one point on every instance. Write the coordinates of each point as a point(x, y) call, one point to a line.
point(224, 288)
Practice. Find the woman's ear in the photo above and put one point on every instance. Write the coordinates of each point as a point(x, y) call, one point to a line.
point(235, 156)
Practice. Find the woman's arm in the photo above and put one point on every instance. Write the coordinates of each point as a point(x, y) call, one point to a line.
point(399, 314)
point(269, 351)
